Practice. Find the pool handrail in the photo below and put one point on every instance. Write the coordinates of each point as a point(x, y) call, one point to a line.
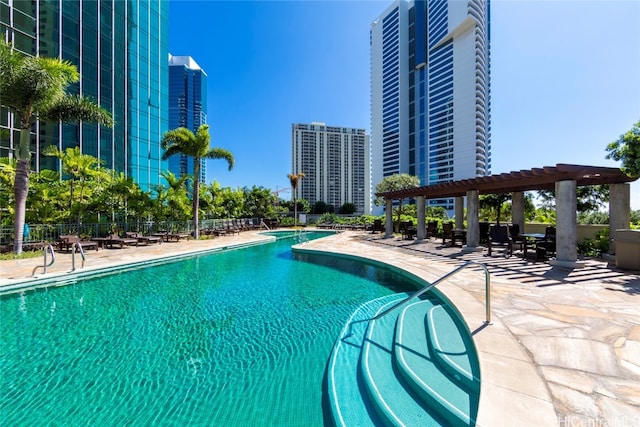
point(73, 255)
point(46, 248)
point(487, 280)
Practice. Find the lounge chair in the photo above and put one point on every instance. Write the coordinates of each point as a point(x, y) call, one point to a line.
point(65, 242)
point(178, 236)
point(230, 227)
point(143, 239)
point(114, 239)
point(499, 236)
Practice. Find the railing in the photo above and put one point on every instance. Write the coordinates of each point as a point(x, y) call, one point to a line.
point(416, 294)
point(301, 236)
point(49, 232)
point(73, 255)
point(46, 248)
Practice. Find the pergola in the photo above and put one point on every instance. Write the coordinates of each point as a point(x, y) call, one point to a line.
point(564, 178)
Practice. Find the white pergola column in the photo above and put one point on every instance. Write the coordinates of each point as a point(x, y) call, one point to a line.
point(566, 226)
point(517, 209)
point(459, 212)
point(473, 225)
point(422, 226)
point(388, 227)
point(619, 211)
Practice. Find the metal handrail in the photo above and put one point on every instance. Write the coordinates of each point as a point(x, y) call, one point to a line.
point(73, 255)
point(298, 236)
point(45, 265)
point(431, 286)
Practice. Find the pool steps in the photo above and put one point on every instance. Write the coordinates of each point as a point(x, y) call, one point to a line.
point(400, 370)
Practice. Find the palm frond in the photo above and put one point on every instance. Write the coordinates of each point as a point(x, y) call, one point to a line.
point(73, 108)
point(221, 153)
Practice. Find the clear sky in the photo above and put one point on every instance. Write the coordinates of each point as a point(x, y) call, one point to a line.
point(565, 78)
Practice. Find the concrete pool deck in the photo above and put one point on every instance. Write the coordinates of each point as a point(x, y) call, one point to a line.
point(563, 347)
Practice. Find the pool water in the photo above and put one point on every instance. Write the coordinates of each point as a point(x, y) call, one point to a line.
point(234, 338)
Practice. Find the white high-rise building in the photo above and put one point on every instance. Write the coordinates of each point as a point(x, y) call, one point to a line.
point(430, 92)
point(336, 165)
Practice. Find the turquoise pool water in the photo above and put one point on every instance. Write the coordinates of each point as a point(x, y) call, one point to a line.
point(235, 338)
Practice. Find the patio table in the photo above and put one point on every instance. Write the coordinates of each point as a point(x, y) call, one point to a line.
point(529, 238)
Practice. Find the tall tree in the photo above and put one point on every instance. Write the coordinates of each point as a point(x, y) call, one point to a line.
point(258, 202)
point(588, 198)
point(294, 179)
point(396, 182)
point(627, 150)
point(493, 203)
point(35, 88)
point(183, 141)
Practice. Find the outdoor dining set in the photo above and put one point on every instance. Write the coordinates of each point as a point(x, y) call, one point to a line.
point(539, 246)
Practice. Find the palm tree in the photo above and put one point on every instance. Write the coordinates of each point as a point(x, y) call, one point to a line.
point(294, 179)
point(183, 141)
point(82, 168)
point(174, 198)
point(35, 88)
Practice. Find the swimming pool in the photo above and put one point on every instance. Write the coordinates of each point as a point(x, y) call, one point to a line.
point(235, 338)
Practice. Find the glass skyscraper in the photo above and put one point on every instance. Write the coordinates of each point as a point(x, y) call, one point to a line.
point(430, 91)
point(187, 107)
point(120, 48)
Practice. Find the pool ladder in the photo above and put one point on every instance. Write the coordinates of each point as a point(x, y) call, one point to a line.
point(44, 266)
point(487, 289)
point(301, 236)
point(73, 255)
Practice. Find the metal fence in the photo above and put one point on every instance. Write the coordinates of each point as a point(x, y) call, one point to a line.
point(50, 232)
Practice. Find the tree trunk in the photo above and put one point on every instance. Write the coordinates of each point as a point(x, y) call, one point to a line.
point(295, 212)
point(20, 191)
point(196, 196)
point(397, 227)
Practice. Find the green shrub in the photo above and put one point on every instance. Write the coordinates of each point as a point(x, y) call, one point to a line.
point(596, 246)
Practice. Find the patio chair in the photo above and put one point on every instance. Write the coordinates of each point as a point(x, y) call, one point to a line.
point(484, 231)
point(546, 247)
point(408, 230)
point(377, 226)
point(449, 233)
point(432, 229)
point(499, 236)
point(514, 232)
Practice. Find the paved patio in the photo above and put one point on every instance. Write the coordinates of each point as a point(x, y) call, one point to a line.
point(563, 347)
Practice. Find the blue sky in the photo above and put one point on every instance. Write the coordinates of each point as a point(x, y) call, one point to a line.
point(564, 78)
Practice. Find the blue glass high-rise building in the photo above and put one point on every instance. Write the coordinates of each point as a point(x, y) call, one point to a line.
point(120, 48)
point(430, 91)
point(187, 107)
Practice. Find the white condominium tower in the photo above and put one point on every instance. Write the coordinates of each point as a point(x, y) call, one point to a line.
point(335, 162)
point(430, 92)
